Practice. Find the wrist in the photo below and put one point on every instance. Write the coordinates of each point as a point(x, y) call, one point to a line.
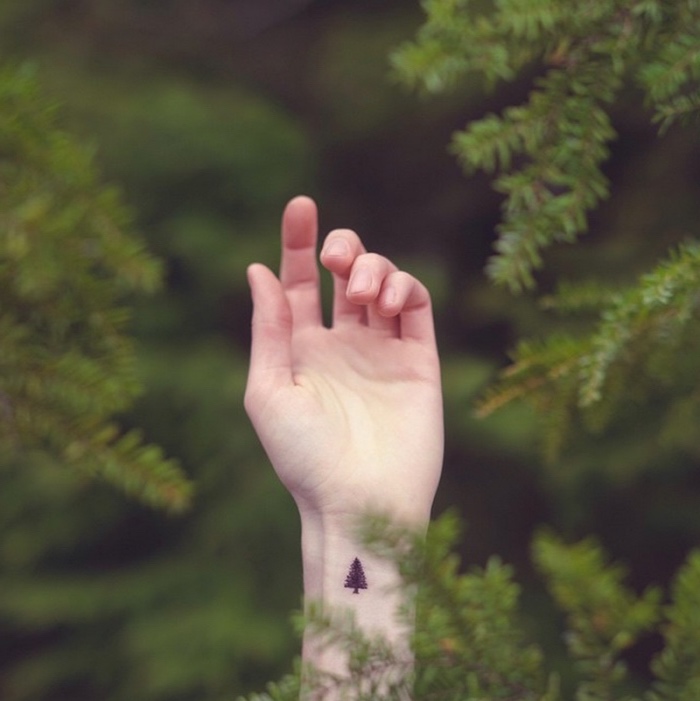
point(341, 576)
point(331, 540)
point(346, 516)
point(342, 572)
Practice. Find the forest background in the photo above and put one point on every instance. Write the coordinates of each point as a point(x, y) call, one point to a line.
point(209, 116)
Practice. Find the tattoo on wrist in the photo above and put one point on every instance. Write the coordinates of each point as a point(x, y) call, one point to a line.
point(356, 579)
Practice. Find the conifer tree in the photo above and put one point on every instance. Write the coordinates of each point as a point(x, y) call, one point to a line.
point(356, 579)
point(67, 263)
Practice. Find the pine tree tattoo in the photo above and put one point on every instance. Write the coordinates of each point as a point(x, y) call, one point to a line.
point(356, 579)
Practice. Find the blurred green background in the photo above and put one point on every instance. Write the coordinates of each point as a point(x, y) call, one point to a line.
point(209, 115)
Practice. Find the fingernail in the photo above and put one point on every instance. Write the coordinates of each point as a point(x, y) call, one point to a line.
point(360, 281)
point(389, 296)
point(337, 248)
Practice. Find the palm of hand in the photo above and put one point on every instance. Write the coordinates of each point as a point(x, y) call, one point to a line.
point(374, 403)
point(361, 424)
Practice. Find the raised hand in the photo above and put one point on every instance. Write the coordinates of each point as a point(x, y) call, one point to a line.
point(350, 416)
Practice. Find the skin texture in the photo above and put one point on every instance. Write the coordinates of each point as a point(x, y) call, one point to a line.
point(350, 416)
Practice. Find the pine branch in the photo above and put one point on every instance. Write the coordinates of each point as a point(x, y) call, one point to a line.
point(652, 315)
point(678, 666)
point(549, 152)
point(563, 134)
point(67, 263)
point(468, 642)
point(670, 78)
point(629, 352)
point(604, 618)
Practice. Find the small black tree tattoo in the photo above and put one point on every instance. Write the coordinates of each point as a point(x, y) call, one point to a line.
point(356, 579)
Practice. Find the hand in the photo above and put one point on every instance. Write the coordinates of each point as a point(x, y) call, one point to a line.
point(350, 416)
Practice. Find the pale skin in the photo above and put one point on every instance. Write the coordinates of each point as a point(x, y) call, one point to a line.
point(350, 416)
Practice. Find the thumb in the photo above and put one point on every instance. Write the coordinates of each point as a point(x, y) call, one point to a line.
point(271, 346)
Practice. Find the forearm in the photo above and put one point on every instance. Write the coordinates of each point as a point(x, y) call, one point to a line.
point(343, 577)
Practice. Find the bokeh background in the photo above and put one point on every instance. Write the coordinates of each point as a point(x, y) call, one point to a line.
point(209, 115)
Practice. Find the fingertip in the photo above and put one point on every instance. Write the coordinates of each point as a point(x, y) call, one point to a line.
point(303, 198)
point(254, 272)
point(340, 249)
point(300, 223)
point(417, 315)
point(301, 202)
point(252, 267)
point(250, 274)
point(388, 302)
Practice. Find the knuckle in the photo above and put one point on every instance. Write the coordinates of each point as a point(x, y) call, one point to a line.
point(401, 277)
point(373, 260)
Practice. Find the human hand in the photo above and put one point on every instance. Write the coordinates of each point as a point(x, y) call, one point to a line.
point(350, 416)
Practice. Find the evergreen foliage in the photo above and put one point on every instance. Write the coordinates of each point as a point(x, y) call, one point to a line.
point(67, 261)
point(678, 666)
point(549, 151)
point(472, 640)
point(631, 355)
point(101, 596)
point(101, 600)
point(604, 617)
point(640, 344)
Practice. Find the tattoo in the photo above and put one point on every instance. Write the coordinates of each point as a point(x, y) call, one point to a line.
point(356, 579)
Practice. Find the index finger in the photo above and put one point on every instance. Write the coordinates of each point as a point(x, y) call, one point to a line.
point(298, 269)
